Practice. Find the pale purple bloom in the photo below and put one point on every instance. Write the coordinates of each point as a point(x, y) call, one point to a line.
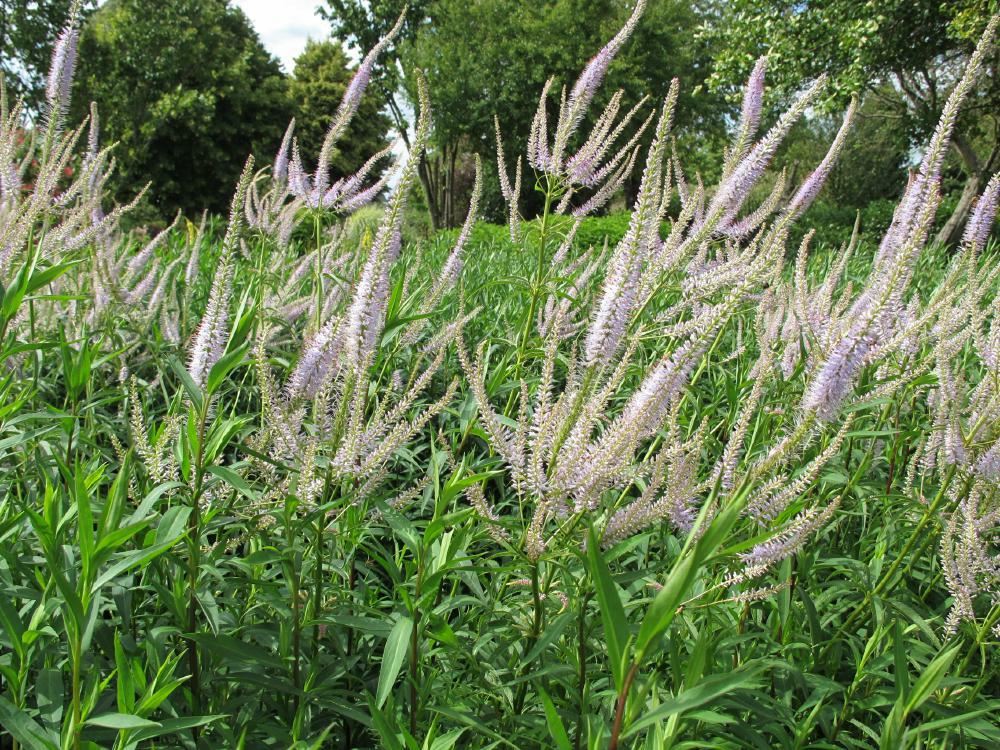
point(835, 378)
point(281, 160)
point(346, 194)
point(141, 290)
point(807, 193)
point(988, 466)
point(10, 183)
point(213, 331)
point(753, 99)
point(318, 358)
point(453, 265)
point(735, 188)
point(60, 81)
point(356, 89)
point(645, 410)
point(790, 540)
point(593, 74)
point(981, 222)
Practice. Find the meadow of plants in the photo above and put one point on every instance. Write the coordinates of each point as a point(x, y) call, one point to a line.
point(666, 481)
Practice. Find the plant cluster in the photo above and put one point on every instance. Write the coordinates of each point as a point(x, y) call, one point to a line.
point(315, 486)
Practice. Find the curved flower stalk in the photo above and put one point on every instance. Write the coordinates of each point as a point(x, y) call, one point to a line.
point(565, 455)
point(869, 326)
point(61, 69)
point(753, 104)
point(348, 193)
point(354, 428)
point(599, 164)
point(60, 216)
point(962, 456)
point(209, 343)
point(559, 315)
point(971, 569)
point(584, 168)
point(270, 212)
point(621, 284)
point(452, 269)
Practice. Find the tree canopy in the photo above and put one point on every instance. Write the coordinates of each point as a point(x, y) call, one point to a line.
point(916, 47)
point(186, 91)
point(492, 57)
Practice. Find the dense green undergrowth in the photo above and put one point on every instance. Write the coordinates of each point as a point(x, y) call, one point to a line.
point(669, 479)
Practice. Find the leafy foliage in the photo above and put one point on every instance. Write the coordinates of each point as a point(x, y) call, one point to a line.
point(28, 29)
point(259, 491)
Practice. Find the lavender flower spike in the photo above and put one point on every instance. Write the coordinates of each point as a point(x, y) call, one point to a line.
point(453, 266)
point(210, 340)
point(753, 103)
point(981, 221)
point(356, 88)
point(63, 64)
point(365, 315)
point(807, 193)
point(753, 99)
point(593, 75)
point(280, 171)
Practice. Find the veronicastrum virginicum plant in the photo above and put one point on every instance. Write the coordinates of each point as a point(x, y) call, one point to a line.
point(601, 441)
point(272, 550)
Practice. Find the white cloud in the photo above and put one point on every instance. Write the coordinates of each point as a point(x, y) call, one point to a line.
point(285, 25)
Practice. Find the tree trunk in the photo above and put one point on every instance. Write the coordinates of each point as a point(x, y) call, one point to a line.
point(951, 232)
point(426, 182)
point(422, 171)
point(976, 171)
point(452, 219)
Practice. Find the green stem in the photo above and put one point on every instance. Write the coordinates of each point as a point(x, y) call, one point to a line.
point(194, 540)
point(415, 652)
point(75, 655)
point(294, 586)
point(318, 578)
point(319, 270)
point(536, 630)
point(581, 683)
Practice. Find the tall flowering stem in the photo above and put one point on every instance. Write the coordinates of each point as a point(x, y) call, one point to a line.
point(209, 343)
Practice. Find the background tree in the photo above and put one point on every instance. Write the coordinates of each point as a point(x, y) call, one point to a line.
point(316, 88)
point(187, 91)
point(916, 47)
point(28, 29)
point(500, 68)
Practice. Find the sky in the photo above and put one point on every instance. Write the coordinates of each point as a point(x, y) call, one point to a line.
point(285, 25)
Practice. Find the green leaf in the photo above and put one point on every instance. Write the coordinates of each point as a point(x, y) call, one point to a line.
point(234, 480)
point(12, 624)
point(192, 389)
point(385, 731)
point(49, 695)
point(392, 658)
point(121, 721)
point(928, 682)
point(131, 560)
point(612, 611)
point(172, 726)
point(707, 690)
point(23, 728)
point(557, 730)
point(223, 367)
